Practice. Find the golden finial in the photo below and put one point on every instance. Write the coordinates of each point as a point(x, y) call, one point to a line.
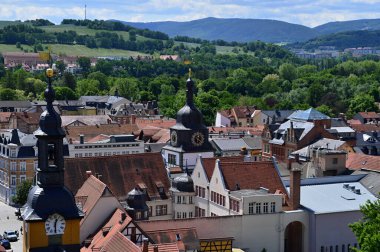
point(49, 72)
point(189, 72)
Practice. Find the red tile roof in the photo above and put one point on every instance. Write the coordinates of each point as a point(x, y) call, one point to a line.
point(29, 118)
point(160, 123)
point(166, 247)
point(114, 226)
point(360, 161)
point(4, 117)
point(365, 127)
point(257, 130)
point(369, 115)
point(243, 111)
point(73, 132)
point(209, 163)
point(188, 237)
point(252, 175)
point(120, 173)
point(89, 194)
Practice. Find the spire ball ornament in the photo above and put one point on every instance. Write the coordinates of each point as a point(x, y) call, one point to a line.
point(49, 72)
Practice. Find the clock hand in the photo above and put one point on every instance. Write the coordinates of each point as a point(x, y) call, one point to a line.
point(55, 225)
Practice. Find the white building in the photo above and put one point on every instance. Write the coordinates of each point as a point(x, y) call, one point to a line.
point(106, 146)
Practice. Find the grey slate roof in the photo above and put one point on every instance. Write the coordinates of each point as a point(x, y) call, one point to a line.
point(308, 115)
point(324, 142)
point(230, 144)
point(302, 128)
point(253, 142)
point(371, 181)
point(16, 104)
point(280, 115)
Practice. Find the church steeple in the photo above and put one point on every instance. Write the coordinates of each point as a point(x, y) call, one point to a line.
point(190, 91)
point(51, 216)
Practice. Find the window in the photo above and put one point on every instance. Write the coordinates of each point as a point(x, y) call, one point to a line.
point(22, 178)
point(172, 159)
point(22, 166)
point(190, 214)
point(178, 215)
point(184, 215)
point(184, 199)
point(161, 210)
point(13, 180)
point(265, 207)
point(234, 205)
point(335, 160)
point(190, 199)
point(138, 215)
point(13, 166)
point(250, 207)
point(150, 211)
point(179, 199)
point(272, 207)
point(258, 208)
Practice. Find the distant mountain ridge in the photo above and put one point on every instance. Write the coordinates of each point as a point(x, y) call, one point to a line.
point(245, 30)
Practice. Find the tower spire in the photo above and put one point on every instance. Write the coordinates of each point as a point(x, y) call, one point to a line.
point(189, 90)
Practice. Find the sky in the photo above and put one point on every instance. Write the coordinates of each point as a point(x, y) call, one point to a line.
point(306, 12)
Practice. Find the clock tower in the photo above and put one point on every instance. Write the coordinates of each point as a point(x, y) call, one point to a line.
point(189, 136)
point(51, 217)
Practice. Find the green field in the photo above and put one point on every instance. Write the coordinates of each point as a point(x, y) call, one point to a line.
point(82, 30)
point(12, 48)
point(81, 50)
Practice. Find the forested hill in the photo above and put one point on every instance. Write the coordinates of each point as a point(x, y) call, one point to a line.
point(242, 30)
point(233, 29)
point(343, 40)
point(354, 25)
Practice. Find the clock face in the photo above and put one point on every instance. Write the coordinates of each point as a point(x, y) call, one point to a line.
point(197, 139)
point(55, 224)
point(173, 138)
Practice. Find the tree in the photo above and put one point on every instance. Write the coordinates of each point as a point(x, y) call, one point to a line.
point(7, 94)
point(65, 93)
point(367, 229)
point(60, 65)
point(87, 87)
point(361, 103)
point(85, 64)
point(22, 192)
point(69, 80)
point(287, 71)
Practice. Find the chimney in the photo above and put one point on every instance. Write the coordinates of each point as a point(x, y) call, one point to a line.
point(145, 245)
point(81, 139)
point(88, 173)
point(295, 185)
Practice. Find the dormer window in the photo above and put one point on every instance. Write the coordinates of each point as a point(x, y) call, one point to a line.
point(160, 187)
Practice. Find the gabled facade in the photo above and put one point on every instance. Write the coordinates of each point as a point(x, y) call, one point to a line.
point(97, 202)
point(302, 129)
point(231, 186)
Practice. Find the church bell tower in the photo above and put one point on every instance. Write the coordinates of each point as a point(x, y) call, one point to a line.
point(189, 136)
point(51, 216)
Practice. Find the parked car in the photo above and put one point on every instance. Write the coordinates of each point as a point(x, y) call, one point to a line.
point(10, 236)
point(5, 243)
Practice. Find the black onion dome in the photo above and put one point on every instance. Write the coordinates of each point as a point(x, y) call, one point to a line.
point(189, 116)
point(41, 203)
point(184, 183)
point(136, 199)
point(50, 121)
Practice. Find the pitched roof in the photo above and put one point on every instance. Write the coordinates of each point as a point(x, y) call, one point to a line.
point(120, 173)
point(73, 132)
point(16, 104)
point(369, 115)
point(209, 163)
point(29, 118)
point(118, 242)
point(251, 175)
point(360, 161)
point(257, 130)
point(365, 127)
point(89, 194)
point(160, 123)
point(308, 115)
point(164, 247)
point(114, 225)
point(324, 142)
point(243, 111)
point(230, 144)
point(85, 119)
point(280, 115)
point(185, 238)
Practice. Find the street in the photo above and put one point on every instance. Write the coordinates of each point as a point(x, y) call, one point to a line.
point(8, 221)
